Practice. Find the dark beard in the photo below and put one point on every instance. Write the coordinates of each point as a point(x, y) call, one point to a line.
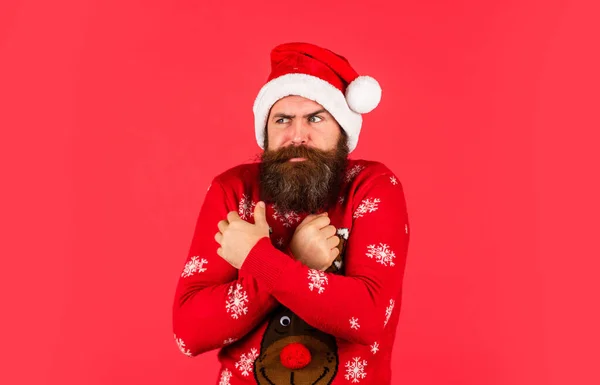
point(308, 186)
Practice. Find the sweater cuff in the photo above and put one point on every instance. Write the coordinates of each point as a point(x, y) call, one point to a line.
point(265, 263)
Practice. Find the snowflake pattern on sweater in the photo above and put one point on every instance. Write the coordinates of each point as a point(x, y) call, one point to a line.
point(280, 242)
point(382, 254)
point(368, 205)
point(355, 370)
point(388, 312)
point(236, 302)
point(181, 346)
point(288, 218)
point(317, 280)
point(246, 362)
point(353, 172)
point(374, 347)
point(246, 207)
point(195, 265)
point(225, 377)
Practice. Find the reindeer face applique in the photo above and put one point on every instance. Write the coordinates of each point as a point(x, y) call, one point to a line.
point(293, 353)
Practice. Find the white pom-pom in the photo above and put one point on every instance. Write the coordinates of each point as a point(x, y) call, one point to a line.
point(363, 94)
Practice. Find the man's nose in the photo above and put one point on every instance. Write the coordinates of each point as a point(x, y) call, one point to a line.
point(299, 133)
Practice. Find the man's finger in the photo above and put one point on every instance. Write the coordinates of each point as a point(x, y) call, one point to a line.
point(335, 252)
point(321, 221)
point(260, 215)
point(309, 218)
point(233, 216)
point(315, 216)
point(329, 231)
point(218, 237)
point(222, 225)
point(220, 252)
point(333, 242)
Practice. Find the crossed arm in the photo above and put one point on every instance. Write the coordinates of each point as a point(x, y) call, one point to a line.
point(356, 306)
point(215, 303)
point(224, 294)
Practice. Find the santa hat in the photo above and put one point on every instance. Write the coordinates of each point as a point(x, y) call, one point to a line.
point(320, 75)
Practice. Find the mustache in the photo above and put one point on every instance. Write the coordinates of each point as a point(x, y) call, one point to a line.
point(286, 153)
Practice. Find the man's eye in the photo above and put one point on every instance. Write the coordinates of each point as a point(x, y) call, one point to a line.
point(315, 119)
point(281, 120)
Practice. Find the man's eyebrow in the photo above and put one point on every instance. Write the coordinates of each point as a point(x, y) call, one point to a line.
point(316, 112)
point(282, 115)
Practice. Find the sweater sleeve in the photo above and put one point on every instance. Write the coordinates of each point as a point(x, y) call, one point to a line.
point(214, 304)
point(355, 306)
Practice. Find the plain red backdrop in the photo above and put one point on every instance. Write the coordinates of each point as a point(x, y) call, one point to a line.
point(115, 115)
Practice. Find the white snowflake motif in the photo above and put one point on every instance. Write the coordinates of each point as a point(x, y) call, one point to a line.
point(366, 206)
point(394, 180)
point(353, 172)
point(225, 377)
point(374, 347)
point(388, 312)
point(288, 219)
point(229, 341)
point(354, 323)
point(317, 280)
point(280, 242)
point(341, 200)
point(236, 302)
point(193, 266)
point(181, 346)
point(382, 254)
point(355, 369)
point(246, 207)
point(246, 362)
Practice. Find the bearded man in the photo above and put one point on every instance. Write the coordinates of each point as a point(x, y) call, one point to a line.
point(296, 265)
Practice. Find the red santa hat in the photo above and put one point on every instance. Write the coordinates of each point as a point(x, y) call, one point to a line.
point(321, 75)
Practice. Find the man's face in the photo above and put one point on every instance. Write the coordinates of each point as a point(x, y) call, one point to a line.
point(305, 157)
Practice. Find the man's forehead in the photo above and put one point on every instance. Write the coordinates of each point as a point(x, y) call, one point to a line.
point(296, 104)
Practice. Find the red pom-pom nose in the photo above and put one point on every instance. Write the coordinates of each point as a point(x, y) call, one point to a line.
point(295, 356)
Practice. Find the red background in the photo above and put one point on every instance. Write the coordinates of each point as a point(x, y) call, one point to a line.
point(115, 115)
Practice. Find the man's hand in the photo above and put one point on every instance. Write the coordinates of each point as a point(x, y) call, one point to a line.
point(237, 237)
point(314, 242)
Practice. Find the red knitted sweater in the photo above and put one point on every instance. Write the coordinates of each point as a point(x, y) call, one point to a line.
point(275, 320)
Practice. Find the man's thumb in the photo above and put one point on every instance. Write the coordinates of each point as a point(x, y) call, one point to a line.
point(260, 215)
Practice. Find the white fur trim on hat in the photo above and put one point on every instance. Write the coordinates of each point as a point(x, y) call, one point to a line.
point(310, 87)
